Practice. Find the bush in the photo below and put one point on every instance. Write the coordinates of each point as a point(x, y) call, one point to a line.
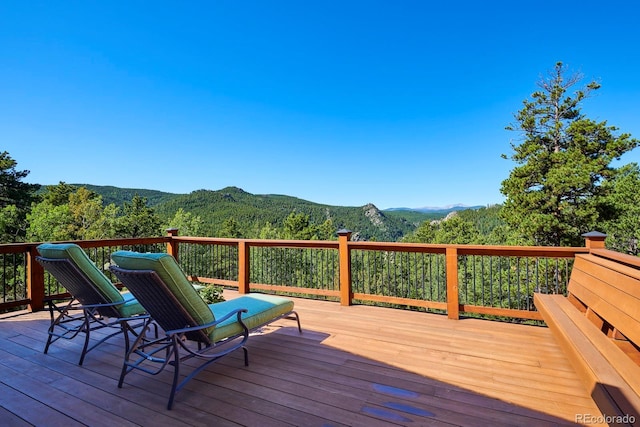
point(212, 293)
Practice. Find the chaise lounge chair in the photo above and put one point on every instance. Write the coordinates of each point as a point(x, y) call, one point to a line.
point(215, 330)
point(95, 301)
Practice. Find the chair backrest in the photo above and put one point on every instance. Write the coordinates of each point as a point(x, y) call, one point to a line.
point(74, 270)
point(160, 285)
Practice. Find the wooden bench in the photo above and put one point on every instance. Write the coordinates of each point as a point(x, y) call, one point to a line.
point(598, 327)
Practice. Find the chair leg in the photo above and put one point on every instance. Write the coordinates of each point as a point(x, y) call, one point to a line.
point(297, 318)
point(56, 321)
point(86, 328)
point(246, 356)
point(176, 371)
point(130, 349)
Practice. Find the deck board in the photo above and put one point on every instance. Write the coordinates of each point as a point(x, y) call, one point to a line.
point(356, 365)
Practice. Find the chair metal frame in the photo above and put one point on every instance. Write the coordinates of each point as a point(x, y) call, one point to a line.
point(172, 349)
point(94, 312)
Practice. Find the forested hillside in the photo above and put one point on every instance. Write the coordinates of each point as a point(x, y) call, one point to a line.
point(251, 212)
point(120, 196)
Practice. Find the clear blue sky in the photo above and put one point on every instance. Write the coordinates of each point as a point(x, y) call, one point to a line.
point(396, 103)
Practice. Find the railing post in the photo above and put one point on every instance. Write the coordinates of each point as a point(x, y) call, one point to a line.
point(453, 302)
point(344, 257)
point(594, 240)
point(172, 245)
point(35, 281)
point(243, 267)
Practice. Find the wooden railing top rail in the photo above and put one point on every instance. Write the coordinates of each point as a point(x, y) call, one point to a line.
point(16, 248)
point(533, 251)
point(316, 244)
point(10, 248)
point(122, 242)
point(626, 259)
point(522, 251)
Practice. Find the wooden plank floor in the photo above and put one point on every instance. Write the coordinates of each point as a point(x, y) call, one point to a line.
point(357, 366)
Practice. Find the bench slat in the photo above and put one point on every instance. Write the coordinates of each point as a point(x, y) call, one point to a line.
point(627, 369)
point(587, 292)
point(582, 343)
point(612, 294)
point(612, 265)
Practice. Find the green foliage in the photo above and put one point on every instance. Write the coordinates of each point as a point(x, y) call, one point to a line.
point(471, 226)
point(457, 231)
point(119, 196)
point(426, 233)
point(88, 216)
point(82, 216)
point(414, 217)
point(211, 293)
point(48, 222)
point(16, 198)
point(230, 228)
point(187, 223)
point(139, 220)
point(555, 194)
point(452, 230)
point(58, 195)
point(623, 228)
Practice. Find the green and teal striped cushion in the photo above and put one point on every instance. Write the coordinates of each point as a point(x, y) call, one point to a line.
point(172, 275)
point(261, 308)
point(110, 293)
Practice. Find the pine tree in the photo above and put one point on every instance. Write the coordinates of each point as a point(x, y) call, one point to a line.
point(16, 198)
point(555, 193)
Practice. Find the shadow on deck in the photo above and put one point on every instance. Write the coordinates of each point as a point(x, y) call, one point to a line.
point(354, 365)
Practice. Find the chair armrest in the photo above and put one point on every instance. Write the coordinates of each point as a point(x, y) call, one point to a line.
point(106, 304)
point(238, 312)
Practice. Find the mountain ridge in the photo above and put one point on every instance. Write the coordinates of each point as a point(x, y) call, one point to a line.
point(448, 208)
point(253, 211)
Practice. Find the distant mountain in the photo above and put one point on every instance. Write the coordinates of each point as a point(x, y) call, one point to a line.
point(439, 210)
point(253, 211)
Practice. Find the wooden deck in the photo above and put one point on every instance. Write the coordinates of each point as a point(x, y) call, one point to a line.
point(358, 365)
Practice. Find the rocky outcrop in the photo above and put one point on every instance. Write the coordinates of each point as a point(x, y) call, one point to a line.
point(375, 216)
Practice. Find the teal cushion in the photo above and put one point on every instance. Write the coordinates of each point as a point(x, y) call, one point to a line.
point(169, 271)
point(83, 262)
point(262, 309)
point(131, 306)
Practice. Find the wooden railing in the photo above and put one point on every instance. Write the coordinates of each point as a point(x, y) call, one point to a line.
point(486, 280)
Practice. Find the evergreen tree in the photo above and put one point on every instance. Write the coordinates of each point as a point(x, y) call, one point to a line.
point(139, 220)
point(16, 198)
point(455, 230)
point(555, 193)
point(268, 231)
point(425, 233)
point(623, 230)
point(298, 227)
point(58, 194)
point(230, 229)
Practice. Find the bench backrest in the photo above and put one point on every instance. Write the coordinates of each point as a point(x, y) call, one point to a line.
point(609, 293)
